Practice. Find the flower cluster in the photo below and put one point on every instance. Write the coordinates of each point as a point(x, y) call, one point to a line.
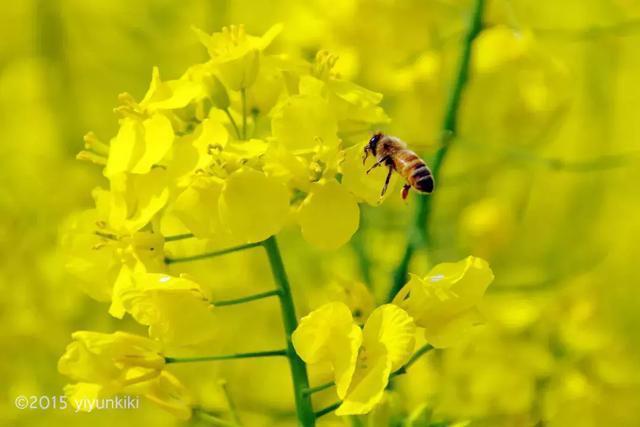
point(231, 152)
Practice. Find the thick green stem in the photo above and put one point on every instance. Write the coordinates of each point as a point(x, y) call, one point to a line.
point(304, 409)
point(248, 298)
point(251, 355)
point(418, 229)
point(211, 254)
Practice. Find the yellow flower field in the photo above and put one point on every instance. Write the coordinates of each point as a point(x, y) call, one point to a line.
point(365, 213)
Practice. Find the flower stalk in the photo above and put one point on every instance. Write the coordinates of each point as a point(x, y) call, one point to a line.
point(304, 409)
point(255, 354)
point(418, 230)
point(246, 299)
point(213, 254)
point(178, 237)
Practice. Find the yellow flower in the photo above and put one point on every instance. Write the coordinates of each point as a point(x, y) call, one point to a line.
point(167, 392)
point(352, 104)
point(139, 145)
point(107, 364)
point(303, 122)
point(111, 361)
point(445, 302)
point(252, 205)
point(133, 200)
point(146, 133)
point(329, 215)
point(236, 55)
point(171, 95)
point(361, 360)
point(194, 153)
point(175, 309)
point(98, 258)
point(329, 335)
point(388, 340)
point(197, 207)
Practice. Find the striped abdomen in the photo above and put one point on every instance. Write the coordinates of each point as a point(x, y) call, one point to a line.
point(414, 170)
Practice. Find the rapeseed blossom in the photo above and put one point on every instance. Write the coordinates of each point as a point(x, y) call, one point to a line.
point(107, 364)
point(445, 302)
point(182, 153)
point(361, 360)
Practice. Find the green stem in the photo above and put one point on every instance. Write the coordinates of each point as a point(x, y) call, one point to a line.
point(178, 237)
point(304, 409)
point(318, 388)
point(418, 229)
point(248, 298)
point(254, 354)
point(233, 123)
point(211, 254)
point(417, 355)
point(243, 95)
point(230, 403)
point(327, 410)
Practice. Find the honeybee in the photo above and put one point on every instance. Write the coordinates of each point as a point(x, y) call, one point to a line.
point(393, 153)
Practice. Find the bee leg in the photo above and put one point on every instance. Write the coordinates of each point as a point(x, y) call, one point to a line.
point(405, 191)
point(378, 163)
point(386, 181)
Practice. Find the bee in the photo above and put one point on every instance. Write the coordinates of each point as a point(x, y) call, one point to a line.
point(393, 153)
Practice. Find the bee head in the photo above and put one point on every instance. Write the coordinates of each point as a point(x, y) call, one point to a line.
point(372, 145)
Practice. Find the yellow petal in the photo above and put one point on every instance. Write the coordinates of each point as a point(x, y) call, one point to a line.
point(303, 122)
point(368, 384)
point(197, 207)
point(80, 394)
point(167, 392)
point(393, 328)
point(445, 300)
point(328, 334)
point(329, 216)
point(175, 309)
point(253, 206)
point(126, 148)
point(455, 330)
point(135, 199)
point(158, 138)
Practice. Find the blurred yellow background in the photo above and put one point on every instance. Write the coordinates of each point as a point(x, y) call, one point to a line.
point(542, 182)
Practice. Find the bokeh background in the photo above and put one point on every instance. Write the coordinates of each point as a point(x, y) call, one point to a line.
point(542, 182)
